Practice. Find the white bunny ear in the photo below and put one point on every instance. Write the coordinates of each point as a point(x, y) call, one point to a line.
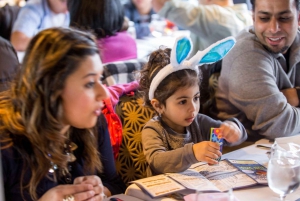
point(214, 52)
point(181, 50)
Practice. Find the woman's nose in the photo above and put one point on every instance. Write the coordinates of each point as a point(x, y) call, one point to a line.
point(102, 92)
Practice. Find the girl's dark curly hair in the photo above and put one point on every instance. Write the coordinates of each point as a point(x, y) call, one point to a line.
point(179, 79)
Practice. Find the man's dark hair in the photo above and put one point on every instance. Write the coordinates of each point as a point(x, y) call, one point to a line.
point(296, 1)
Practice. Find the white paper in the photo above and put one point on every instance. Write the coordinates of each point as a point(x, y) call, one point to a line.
point(159, 185)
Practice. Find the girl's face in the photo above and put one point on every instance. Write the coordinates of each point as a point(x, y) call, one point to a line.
point(181, 108)
point(83, 94)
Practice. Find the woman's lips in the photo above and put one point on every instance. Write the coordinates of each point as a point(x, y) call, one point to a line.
point(98, 112)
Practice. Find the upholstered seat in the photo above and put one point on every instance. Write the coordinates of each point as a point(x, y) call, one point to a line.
point(121, 72)
point(131, 163)
point(8, 15)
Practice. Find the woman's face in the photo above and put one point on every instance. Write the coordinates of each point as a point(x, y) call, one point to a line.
point(83, 94)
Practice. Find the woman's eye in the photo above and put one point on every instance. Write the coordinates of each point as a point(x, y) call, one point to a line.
point(90, 85)
point(101, 78)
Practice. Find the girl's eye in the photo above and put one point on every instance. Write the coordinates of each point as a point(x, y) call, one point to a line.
point(90, 85)
point(182, 102)
point(196, 98)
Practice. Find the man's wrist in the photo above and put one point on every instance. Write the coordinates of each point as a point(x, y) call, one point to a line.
point(298, 94)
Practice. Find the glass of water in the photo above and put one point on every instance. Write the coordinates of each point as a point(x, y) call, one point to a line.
point(283, 171)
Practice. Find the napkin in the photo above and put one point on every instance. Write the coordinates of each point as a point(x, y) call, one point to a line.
point(284, 140)
point(210, 197)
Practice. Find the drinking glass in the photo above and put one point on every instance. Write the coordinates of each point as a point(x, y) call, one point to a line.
point(283, 170)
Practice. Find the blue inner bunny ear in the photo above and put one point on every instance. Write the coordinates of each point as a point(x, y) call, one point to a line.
point(218, 52)
point(182, 49)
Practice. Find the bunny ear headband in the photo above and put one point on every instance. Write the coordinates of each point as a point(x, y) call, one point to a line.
point(182, 50)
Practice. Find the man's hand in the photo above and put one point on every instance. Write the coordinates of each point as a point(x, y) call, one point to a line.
point(19, 41)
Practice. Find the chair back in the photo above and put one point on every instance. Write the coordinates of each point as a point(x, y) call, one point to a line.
point(209, 84)
point(121, 72)
point(131, 163)
point(8, 15)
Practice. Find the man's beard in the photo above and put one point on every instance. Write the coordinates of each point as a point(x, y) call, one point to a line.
point(282, 50)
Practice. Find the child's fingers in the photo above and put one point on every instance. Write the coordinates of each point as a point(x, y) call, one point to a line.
point(211, 161)
point(213, 155)
point(214, 145)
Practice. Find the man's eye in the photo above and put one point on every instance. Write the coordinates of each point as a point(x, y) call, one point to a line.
point(264, 19)
point(284, 18)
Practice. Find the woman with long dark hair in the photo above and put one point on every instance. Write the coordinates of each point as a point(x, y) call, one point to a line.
point(54, 139)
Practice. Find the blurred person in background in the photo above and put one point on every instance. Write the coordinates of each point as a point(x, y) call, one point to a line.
point(9, 64)
point(107, 20)
point(35, 16)
point(140, 12)
point(209, 22)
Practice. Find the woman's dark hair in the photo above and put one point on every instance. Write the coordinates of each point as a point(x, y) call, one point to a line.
point(179, 79)
point(31, 110)
point(103, 17)
point(296, 2)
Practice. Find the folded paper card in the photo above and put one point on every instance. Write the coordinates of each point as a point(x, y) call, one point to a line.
point(228, 174)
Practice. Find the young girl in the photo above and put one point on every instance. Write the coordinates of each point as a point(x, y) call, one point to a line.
point(179, 136)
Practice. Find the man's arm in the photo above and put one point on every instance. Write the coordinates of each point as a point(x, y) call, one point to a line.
point(19, 40)
point(26, 26)
point(253, 90)
point(199, 19)
point(291, 95)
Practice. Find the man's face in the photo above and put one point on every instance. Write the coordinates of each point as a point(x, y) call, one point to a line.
point(276, 23)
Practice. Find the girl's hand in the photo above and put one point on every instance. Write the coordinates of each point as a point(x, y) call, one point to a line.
point(96, 182)
point(207, 151)
point(230, 131)
point(80, 192)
